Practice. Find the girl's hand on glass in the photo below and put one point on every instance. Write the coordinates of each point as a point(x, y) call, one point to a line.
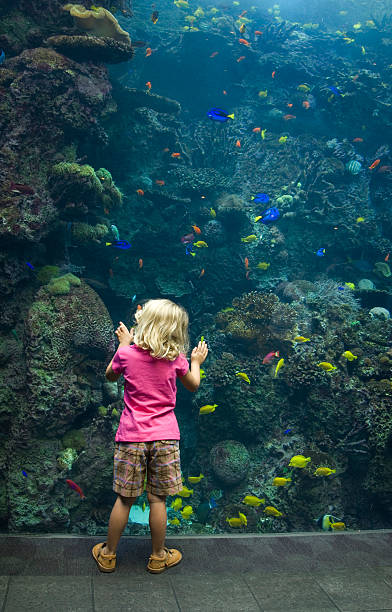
point(200, 352)
point(124, 336)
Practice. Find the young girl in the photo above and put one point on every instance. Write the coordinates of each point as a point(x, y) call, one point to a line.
point(147, 437)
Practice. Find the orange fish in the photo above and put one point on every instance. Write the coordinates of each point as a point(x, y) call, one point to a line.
point(140, 192)
point(358, 139)
point(247, 275)
point(258, 32)
point(110, 273)
point(224, 92)
point(306, 104)
point(374, 164)
point(242, 14)
point(273, 74)
point(386, 257)
point(148, 84)
point(196, 229)
point(214, 54)
point(238, 144)
point(140, 263)
point(148, 51)
point(290, 104)
point(201, 273)
point(165, 150)
point(246, 262)
point(241, 58)
point(243, 41)
point(160, 183)
point(176, 155)
point(139, 307)
point(256, 130)
point(288, 117)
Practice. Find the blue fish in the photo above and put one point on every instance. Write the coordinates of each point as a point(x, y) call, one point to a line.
point(212, 503)
point(133, 298)
point(2, 57)
point(30, 265)
point(287, 431)
point(119, 244)
point(320, 252)
point(24, 473)
point(340, 288)
point(335, 90)
point(218, 114)
point(260, 198)
point(188, 249)
point(270, 215)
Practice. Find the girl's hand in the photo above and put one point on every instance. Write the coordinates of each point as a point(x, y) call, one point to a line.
point(200, 352)
point(124, 335)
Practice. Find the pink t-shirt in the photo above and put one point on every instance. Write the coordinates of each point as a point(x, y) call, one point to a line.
point(149, 395)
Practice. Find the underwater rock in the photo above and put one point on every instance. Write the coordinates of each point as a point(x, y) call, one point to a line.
point(198, 179)
point(111, 390)
point(214, 233)
point(230, 461)
point(379, 313)
point(91, 48)
point(365, 285)
point(170, 286)
point(138, 98)
point(98, 21)
point(382, 269)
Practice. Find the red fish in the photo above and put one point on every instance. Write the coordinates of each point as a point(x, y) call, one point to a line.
point(238, 144)
point(374, 164)
point(290, 104)
point(247, 275)
point(358, 139)
point(242, 14)
point(258, 32)
point(176, 155)
point(148, 84)
point(243, 41)
point(140, 263)
point(148, 51)
point(139, 307)
point(241, 58)
point(288, 117)
point(246, 262)
point(160, 183)
point(256, 130)
point(19, 188)
point(75, 487)
point(187, 238)
point(386, 257)
point(273, 74)
point(140, 192)
point(269, 356)
point(214, 54)
point(306, 104)
point(224, 92)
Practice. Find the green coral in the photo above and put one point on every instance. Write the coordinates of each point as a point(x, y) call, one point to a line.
point(61, 285)
point(46, 273)
point(102, 410)
point(83, 233)
point(66, 458)
point(74, 439)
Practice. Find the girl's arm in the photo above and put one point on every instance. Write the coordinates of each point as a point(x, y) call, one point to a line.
point(125, 338)
point(191, 380)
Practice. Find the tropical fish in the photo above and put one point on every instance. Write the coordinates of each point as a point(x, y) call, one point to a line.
point(279, 365)
point(75, 487)
point(374, 164)
point(238, 522)
point(287, 431)
point(115, 232)
point(208, 408)
point(270, 356)
point(263, 132)
point(200, 244)
point(199, 12)
point(18, 188)
point(256, 130)
point(24, 473)
point(2, 57)
point(246, 262)
point(214, 54)
point(176, 504)
point(301, 339)
point(154, 16)
point(271, 511)
point(239, 59)
point(174, 521)
point(335, 90)
point(148, 85)
point(119, 244)
point(186, 512)
point(252, 500)
point(218, 114)
point(244, 376)
point(242, 28)
point(270, 215)
point(250, 238)
point(195, 479)
point(282, 139)
point(243, 41)
point(281, 482)
point(212, 213)
point(349, 356)
point(196, 229)
point(324, 471)
point(176, 155)
point(386, 257)
point(140, 192)
point(160, 183)
point(360, 219)
point(258, 32)
point(202, 272)
point(140, 263)
point(29, 265)
point(148, 52)
point(273, 74)
point(288, 117)
point(306, 104)
point(202, 374)
point(357, 139)
point(350, 286)
point(258, 218)
point(227, 309)
point(238, 144)
point(326, 522)
point(185, 492)
point(339, 526)
point(260, 198)
point(326, 366)
point(181, 3)
point(187, 238)
point(303, 87)
point(263, 93)
point(299, 461)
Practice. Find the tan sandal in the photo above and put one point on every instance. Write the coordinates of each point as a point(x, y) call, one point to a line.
point(106, 563)
point(157, 565)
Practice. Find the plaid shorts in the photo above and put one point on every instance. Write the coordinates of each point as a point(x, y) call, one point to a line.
point(161, 460)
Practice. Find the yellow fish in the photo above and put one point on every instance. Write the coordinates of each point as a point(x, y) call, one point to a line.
point(279, 365)
point(271, 511)
point(339, 526)
point(299, 461)
point(212, 213)
point(237, 522)
point(348, 355)
point(244, 376)
point(236, 3)
point(350, 285)
point(181, 3)
point(360, 219)
point(324, 471)
point(176, 504)
point(301, 339)
point(263, 93)
point(281, 482)
point(202, 374)
point(357, 26)
point(258, 218)
point(243, 518)
point(263, 265)
point(343, 13)
point(190, 18)
point(174, 521)
point(227, 309)
point(304, 88)
point(213, 11)
point(208, 408)
point(250, 238)
point(200, 244)
point(195, 479)
point(186, 512)
point(199, 12)
point(252, 500)
point(185, 492)
point(201, 338)
point(144, 506)
point(282, 139)
point(363, 50)
point(326, 366)
point(262, 133)
point(348, 40)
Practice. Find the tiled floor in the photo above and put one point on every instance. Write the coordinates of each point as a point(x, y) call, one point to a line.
point(346, 572)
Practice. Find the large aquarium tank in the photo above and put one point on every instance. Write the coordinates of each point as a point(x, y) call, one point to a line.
point(232, 157)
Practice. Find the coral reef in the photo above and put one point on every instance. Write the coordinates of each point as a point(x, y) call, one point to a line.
point(230, 461)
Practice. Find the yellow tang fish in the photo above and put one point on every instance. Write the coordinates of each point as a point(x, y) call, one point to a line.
point(174, 521)
point(271, 511)
point(227, 309)
point(363, 50)
point(350, 286)
point(185, 492)
point(234, 522)
point(199, 12)
point(339, 526)
point(304, 88)
point(200, 244)
point(282, 139)
point(263, 93)
point(181, 3)
point(301, 339)
point(176, 504)
point(281, 482)
point(360, 219)
point(202, 374)
point(299, 461)
point(263, 265)
point(186, 512)
point(258, 218)
point(144, 506)
point(208, 408)
point(250, 238)
point(348, 355)
point(195, 479)
point(279, 365)
point(212, 213)
point(243, 518)
point(263, 132)
point(357, 26)
point(326, 366)
point(244, 376)
point(190, 18)
point(324, 471)
point(252, 500)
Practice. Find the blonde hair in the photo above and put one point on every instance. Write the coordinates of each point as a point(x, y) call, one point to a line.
point(162, 329)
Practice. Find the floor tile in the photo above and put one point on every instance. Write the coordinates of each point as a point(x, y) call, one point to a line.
point(49, 594)
point(3, 589)
point(202, 593)
point(152, 592)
